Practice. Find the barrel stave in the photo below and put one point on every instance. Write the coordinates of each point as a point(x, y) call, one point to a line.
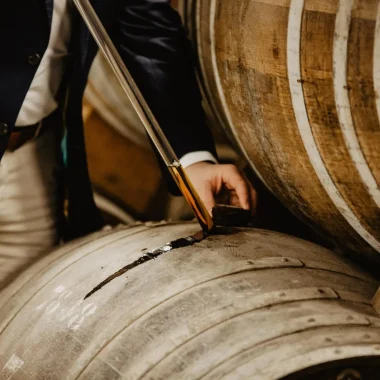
point(295, 84)
point(226, 325)
point(319, 86)
point(164, 318)
point(257, 92)
point(273, 359)
point(361, 67)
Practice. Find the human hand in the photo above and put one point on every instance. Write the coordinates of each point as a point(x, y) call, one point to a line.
point(213, 180)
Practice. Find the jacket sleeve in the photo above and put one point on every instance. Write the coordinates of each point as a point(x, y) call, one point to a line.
point(156, 51)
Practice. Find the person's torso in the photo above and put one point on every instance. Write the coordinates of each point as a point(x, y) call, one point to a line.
point(35, 37)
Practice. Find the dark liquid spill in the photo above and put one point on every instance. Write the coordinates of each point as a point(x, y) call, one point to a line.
point(153, 254)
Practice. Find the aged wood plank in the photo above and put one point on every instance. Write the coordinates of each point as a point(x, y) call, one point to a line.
point(334, 343)
point(223, 296)
point(296, 85)
point(114, 161)
point(330, 155)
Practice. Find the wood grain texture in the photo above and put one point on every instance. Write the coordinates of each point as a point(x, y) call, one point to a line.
point(107, 97)
point(123, 170)
point(297, 83)
point(227, 307)
point(330, 119)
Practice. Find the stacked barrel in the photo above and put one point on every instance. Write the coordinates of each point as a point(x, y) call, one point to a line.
point(251, 304)
point(297, 83)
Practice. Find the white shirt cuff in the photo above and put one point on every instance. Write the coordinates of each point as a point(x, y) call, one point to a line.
point(198, 156)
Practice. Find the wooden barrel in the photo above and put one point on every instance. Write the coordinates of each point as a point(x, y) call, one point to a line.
point(112, 214)
point(251, 304)
point(106, 96)
point(297, 83)
point(113, 162)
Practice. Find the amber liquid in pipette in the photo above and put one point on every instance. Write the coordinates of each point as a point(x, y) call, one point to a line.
point(191, 196)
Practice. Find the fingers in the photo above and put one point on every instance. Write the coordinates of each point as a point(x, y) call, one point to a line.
point(209, 181)
point(235, 181)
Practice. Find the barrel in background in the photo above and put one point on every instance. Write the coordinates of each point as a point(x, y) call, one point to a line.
point(296, 83)
point(228, 307)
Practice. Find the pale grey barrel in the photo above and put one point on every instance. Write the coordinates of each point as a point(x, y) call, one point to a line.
point(250, 305)
point(105, 94)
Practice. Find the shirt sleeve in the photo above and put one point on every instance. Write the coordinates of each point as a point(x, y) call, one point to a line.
point(195, 157)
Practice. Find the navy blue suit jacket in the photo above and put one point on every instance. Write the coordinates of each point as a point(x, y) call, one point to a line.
point(154, 46)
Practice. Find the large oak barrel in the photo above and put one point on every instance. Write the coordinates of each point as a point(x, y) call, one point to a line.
point(297, 83)
point(251, 304)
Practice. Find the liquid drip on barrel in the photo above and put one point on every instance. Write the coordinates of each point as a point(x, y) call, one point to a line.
point(151, 255)
point(156, 252)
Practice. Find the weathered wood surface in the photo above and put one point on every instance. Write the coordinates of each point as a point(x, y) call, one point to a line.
point(106, 96)
point(124, 171)
point(253, 304)
point(297, 82)
point(118, 148)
